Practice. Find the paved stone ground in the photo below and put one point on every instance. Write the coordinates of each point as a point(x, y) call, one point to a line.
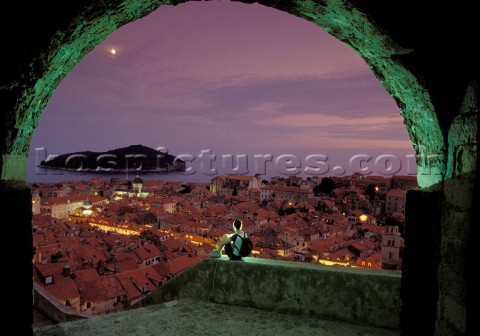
point(193, 317)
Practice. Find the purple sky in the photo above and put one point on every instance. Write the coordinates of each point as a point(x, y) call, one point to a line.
point(229, 77)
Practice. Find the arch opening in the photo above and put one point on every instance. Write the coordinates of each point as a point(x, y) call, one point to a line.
point(369, 264)
point(347, 24)
point(273, 103)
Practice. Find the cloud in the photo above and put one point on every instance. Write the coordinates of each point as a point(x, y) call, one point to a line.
point(225, 76)
point(323, 121)
point(205, 55)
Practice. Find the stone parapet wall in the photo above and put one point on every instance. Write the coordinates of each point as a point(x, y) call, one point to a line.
point(47, 304)
point(354, 295)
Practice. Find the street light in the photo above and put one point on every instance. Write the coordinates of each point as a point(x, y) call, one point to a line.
point(363, 218)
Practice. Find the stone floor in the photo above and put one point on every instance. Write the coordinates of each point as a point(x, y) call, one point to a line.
point(194, 317)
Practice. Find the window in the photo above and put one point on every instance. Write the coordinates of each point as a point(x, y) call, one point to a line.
point(89, 305)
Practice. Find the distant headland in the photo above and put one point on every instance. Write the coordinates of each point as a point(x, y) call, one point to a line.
point(134, 158)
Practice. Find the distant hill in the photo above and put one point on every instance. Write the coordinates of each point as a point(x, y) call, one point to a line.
point(132, 158)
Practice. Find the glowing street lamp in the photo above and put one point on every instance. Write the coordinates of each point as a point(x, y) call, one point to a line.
point(363, 218)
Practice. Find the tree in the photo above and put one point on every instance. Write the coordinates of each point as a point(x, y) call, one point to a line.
point(286, 211)
point(370, 191)
point(186, 189)
point(326, 186)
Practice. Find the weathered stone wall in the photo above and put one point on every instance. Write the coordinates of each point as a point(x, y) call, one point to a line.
point(438, 272)
point(458, 217)
point(361, 296)
point(419, 289)
point(49, 306)
point(16, 244)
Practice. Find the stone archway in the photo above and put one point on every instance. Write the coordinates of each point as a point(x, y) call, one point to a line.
point(347, 23)
point(399, 46)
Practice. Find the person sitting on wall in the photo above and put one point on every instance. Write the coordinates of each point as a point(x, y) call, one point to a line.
point(231, 242)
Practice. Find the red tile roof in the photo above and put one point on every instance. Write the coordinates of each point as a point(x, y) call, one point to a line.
point(49, 269)
point(196, 225)
point(172, 244)
point(63, 288)
point(295, 225)
point(181, 263)
point(218, 232)
point(361, 246)
point(373, 228)
point(135, 280)
point(162, 269)
point(105, 288)
point(126, 265)
point(400, 193)
point(88, 274)
point(288, 189)
point(147, 252)
point(322, 245)
point(133, 292)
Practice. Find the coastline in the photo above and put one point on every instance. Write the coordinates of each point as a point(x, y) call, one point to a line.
point(43, 174)
point(111, 171)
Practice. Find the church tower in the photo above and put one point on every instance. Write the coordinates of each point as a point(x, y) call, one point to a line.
point(392, 244)
point(137, 184)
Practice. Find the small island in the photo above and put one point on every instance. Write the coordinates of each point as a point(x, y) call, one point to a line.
point(134, 158)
